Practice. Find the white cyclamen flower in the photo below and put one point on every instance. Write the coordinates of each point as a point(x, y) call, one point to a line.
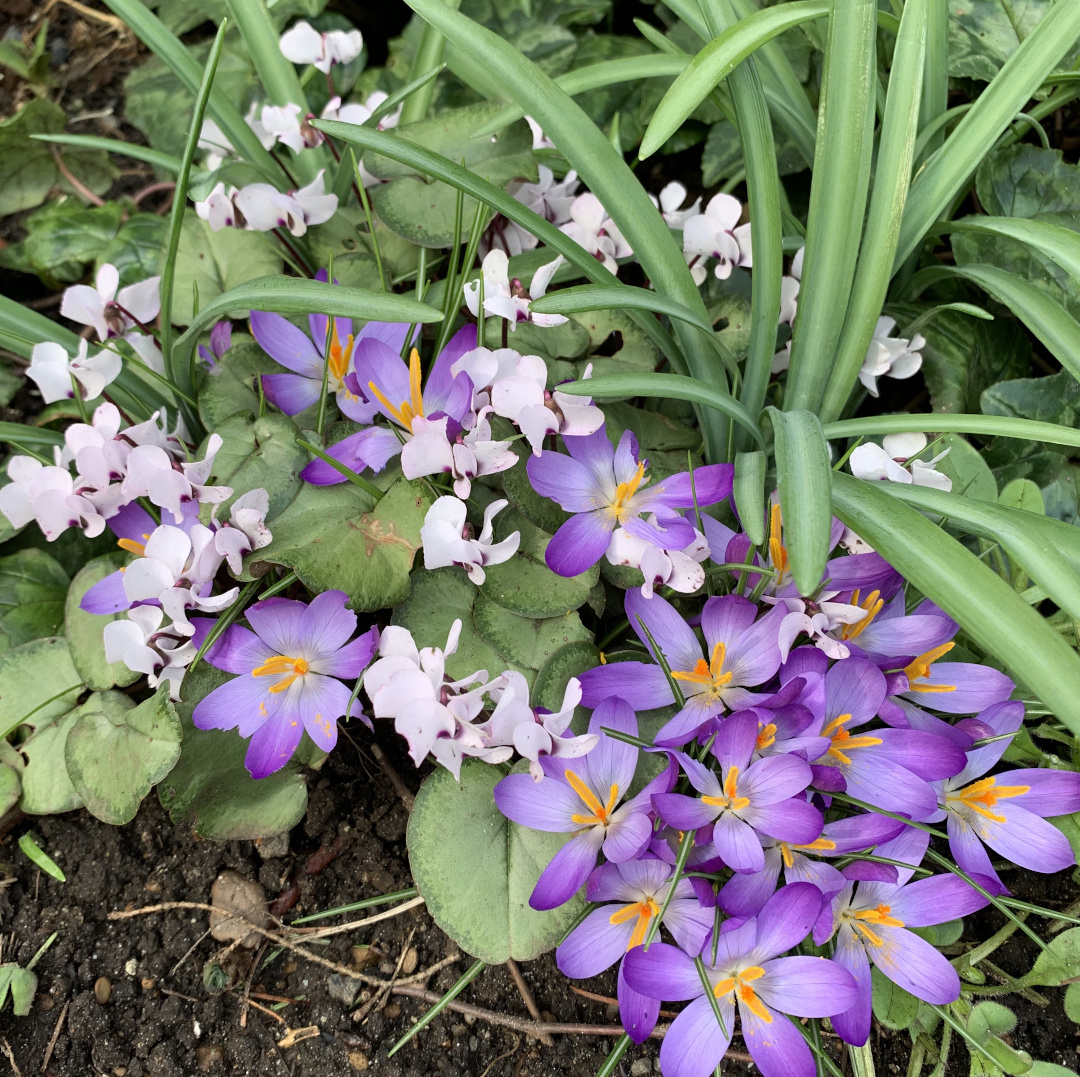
point(303, 44)
point(140, 642)
point(506, 298)
point(891, 357)
point(591, 228)
point(110, 309)
point(671, 198)
point(678, 569)
point(892, 461)
point(52, 369)
point(448, 540)
point(47, 494)
point(716, 233)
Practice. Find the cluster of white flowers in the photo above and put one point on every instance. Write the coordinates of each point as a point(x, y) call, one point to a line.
point(438, 716)
point(259, 207)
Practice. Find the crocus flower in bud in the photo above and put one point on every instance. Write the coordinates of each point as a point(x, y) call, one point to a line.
point(535, 732)
point(669, 202)
point(716, 233)
point(747, 798)
point(432, 713)
point(892, 357)
point(392, 388)
point(112, 311)
point(744, 895)
point(287, 669)
point(220, 343)
point(741, 652)
point(871, 921)
point(590, 227)
point(584, 797)
point(47, 494)
point(678, 569)
point(895, 460)
point(303, 44)
point(630, 896)
point(746, 972)
point(1007, 811)
point(55, 372)
point(306, 356)
point(448, 540)
point(509, 299)
point(889, 768)
point(143, 645)
point(606, 488)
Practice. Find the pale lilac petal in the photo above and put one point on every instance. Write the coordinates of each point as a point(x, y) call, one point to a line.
point(1025, 839)
point(853, 1025)
point(579, 543)
point(107, 596)
point(664, 971)
point(292, 393)
point(595, 944)
point(644, 686)
point(710, 484)
point(1050, 792)
point(569, 867)
point(971, 856)
point(774, 779)
point(637, 1012)
point(807, 986)
point(737, 844)
point(545, 805)
point(919, 968)
point(969, 688)
point(280, 623)
point(287, 344)
point(695, 1043)
point(272, 745)
point(683, 812)
point(935, 900)
point(238, 650)
point(669, 631)
point(794, 820)
point(786, 920)
point(627, 836)
point(777, 1048)
point(611, 764)
point(856, 687)
point(565, 481)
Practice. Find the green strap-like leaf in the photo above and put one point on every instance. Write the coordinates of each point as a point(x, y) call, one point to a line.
point(947, 172)
point(989, 425)
point(433, 164)
point(1028, 538)
point(717, 60)
point(603, 170)
point(164, 161)
point(749, 492)
point(429, 55)
point(30, 436)
point(623, 297)
point(891, 179)
point(988, 609)
point(151, 31)
point(1060, 244)
point(293, 295)
point(935, 94)
point(802, 476)
point(21, 328)
point(837, 197)
point(666, 387)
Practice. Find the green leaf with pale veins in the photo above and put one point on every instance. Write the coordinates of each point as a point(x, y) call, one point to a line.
point(32, 591)
point(85, 631)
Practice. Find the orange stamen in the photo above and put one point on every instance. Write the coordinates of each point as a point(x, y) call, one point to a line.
point(625, 491)
point(843, 742)
point(777, 551)
point(766, 737)
point(920, 668)
point(740, 985)
point(408, 409)
point(281, 666)
point(600, 812)
point(711, 676)
point(137, 548)
point(872, 605)
point(730, 797)
point(644, 911)
point(339, 355)
point(879, 915)
point(984, 794)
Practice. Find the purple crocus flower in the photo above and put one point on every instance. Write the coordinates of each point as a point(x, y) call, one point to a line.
point(287, 677)
point(632, 894)
point(744, 895)
point(741, 652)
point(748, 972)
point(605, 488)
point(871, 922)
point(889, 768)
point(305, 356)
point(1007, 811)
point(220, 343)
point(393, 388)
point(583, 796)
point(747, 798)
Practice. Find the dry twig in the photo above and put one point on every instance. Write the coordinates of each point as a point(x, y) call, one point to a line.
point(527, 997)
point(387, 768)
point(55, 1036)
point(6, 1048)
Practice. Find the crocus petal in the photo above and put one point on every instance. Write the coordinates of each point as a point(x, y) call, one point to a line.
point(286, 344)
point(683, 812)
point(807, 986)
point(642, 685)
point(637, 1012)
point(665, 624)
point(708, 485)
point(611, 764)
point(569, 867)
point(695, 1043)
point(737, 844)
point(579, 543)
point(292, 393)
point(280, 623)
point(925, 754)
point(664, 971)
point(971, 856)
point(777, 1048)
point(107, 596)
point(595, 944)
point(853, 1025)
point(960, 688)
point(793, 820)
point(1050, 792)
point(238, 650)
point(936, 900)
point(1025, 839)
point(546, 805)
point(915, 965)
point(272, 745)
point(566, 481)
point(785, 921)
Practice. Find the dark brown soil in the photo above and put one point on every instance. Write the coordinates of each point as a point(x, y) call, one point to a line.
point(160, 1019)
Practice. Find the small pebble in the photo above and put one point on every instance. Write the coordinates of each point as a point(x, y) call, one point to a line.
point(206, 1056)
point(474, 1044)
point(46, 1003)
point(392, 1011)
point(147, 983)
point(358, 1060)
point(641, 1067)
point(153, 886)
point(387, 968)
point(363, 956)
point(412, 959)
point(102, 989)
point(469, 1019)
point(120, 1071)
point(131, 966)
point(341, 989)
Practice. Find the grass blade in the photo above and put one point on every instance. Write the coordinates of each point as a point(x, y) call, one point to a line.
point(666, 387)
point(30, 436)
point(621, 296)
point(35, 854)
point(837, 197)
point(892, 177)
point(717, 60)
point(278, 77)
point(426, 162)
point(988, 609)
point(151, 31)
point(1004, 426)
point(180, 376)
point(471, 973)
point(1023, 535)
point(21, 328)
point(165, 161)
point(602, 169)
point(802, 476)
point(950, 169)
point(767, 235)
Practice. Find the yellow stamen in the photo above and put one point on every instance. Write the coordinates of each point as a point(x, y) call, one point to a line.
point(920, 668)
point(730, 797)
point(818, 845)
point(710, 676)
point(137, 548)
point(879, 915)
point(625, 491)
point(777, 551)
point(843, 742)
point(766, 737)
point(600, 812)
point(785, 854)
point(984, 794)
point(408, 409)
point(872, 605)
point(339, 356)
point(740, 985)
point(644, 911)
point(281, 666)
